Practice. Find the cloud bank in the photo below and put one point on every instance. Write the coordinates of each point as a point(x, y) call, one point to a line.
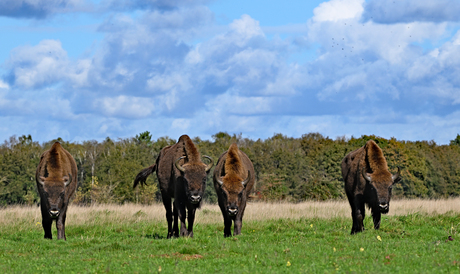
point(378, 68)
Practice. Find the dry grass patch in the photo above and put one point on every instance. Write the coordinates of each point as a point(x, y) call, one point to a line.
point(209, 214)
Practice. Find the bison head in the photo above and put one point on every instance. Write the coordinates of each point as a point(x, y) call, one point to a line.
point(53, 194)
point(194, 175)
point(380, 184)
point(233, 191)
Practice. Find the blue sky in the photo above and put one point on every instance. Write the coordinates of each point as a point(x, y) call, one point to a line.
point(87, 70)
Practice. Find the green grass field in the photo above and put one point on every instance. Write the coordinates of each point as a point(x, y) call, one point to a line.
point(413, 243)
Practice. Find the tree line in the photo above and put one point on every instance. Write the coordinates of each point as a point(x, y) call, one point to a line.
point(291, 169)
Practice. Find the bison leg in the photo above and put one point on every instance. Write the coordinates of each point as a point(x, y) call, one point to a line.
point(358, 214)
point(47, 223)
point(376, 215)
point(176, 222)
point(169, 214)
point(239, 220)
point(237, 226)
point(60, 225)
point(191, 219)
point(182, 216)
point(227, 219)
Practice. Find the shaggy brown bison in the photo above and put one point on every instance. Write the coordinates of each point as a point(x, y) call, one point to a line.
point(233, 180)
point(367, 181)
point(182, 176)
point(56, 178)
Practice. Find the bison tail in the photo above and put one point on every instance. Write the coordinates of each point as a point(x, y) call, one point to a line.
point(143, 174)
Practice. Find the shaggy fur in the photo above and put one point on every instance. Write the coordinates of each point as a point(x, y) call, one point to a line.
point(187, 188)
point(233, 168)
point(376, 193)
point(56, 168)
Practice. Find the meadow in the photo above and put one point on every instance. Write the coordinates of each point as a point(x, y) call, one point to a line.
point(418, 236)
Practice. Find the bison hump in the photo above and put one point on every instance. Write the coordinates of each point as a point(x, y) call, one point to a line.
point(192, 153)
point(375, 157)
point(233, 162)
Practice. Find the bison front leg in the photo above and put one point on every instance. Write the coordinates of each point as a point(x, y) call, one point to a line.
point(239, 220)
point(227, 226)
point(60, 225)
point(358, 215)
point(376, 216)
point(227, 219)
point(176, 222)
point(47, 223)
point(191, 219)
point(237, 226)
point(182, 216)
point(169, 214)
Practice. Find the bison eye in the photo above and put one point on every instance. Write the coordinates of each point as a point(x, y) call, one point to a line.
point(240, 195)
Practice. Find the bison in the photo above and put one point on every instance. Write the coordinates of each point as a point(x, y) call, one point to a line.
point(182, 176)
point(56, 178)
point(367, 181)
point(233, 180)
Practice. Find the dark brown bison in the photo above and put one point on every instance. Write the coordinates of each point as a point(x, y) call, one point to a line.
point(182, 176)
point(233, 180)
point(56, 178)
point(367, 181)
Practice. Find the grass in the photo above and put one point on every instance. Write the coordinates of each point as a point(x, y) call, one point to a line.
point(309, 237)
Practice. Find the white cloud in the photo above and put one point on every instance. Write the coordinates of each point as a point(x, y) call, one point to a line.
point(173, 71)
point(34, 66)
point(3, 85)
point(125, 107)
point(245, 29)
point(336, 10)
point(232, 104)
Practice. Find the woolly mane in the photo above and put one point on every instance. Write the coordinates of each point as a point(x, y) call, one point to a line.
point(375, 157)
point(190, 149)
point(233, 162)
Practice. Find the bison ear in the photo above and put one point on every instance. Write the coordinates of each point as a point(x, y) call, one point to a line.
point(41, 180)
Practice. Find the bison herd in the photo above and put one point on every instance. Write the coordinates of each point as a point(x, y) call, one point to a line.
point(182, 173)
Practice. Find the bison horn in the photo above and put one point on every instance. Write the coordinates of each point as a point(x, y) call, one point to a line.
point(179, 167)
point(209, 166)
point(247, 179)
point(397, 176)
point(41, 180)
point(366, 175)
point(66, 183)
point(219, 180)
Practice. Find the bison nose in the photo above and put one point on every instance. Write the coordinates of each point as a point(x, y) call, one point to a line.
point(54, 213)
point(232, 211)
point(195, 199)
point(383, 206)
